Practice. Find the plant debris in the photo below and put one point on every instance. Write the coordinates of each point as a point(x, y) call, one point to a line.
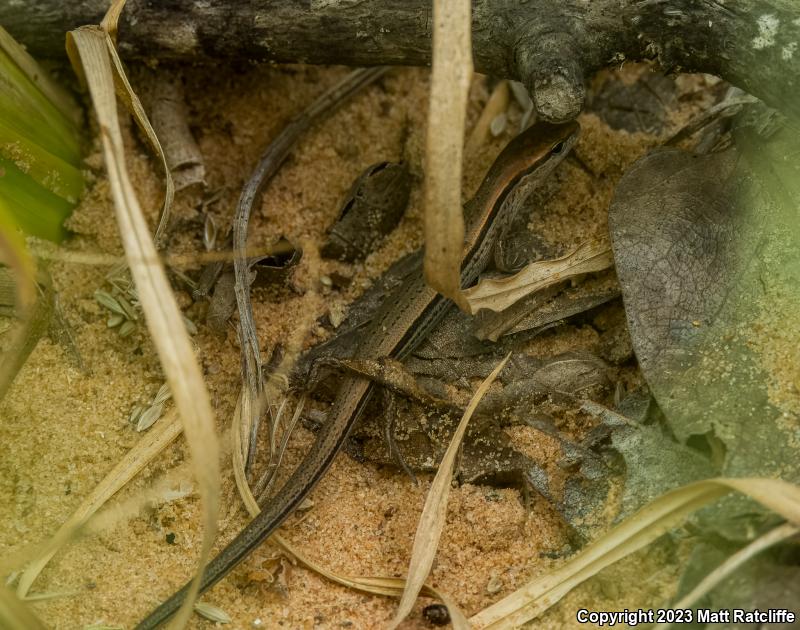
point(371, 209)
point(696, 302)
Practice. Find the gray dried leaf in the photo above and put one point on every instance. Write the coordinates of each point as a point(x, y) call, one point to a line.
point(136, 413)
point(110, 302)
point(163, 394)
point(149, 417)
point(704, 249)
point(127, 329)
point(371, 209)
point(211, 612)
point(129, 311)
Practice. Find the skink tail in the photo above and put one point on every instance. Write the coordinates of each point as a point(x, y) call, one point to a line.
point(352, 397)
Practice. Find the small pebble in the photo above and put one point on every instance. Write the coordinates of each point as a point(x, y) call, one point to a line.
point(498, 124)
point(436, 614)
point(494, 585)
point(336, 315)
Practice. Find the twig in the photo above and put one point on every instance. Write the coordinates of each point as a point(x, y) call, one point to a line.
point(271, 160)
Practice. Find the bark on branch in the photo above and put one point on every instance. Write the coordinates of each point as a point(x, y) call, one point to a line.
point(550, 45)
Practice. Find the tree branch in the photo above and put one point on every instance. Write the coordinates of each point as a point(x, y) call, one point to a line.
point(551, 46)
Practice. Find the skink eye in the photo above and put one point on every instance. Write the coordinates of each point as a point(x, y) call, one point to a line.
point(557, 149)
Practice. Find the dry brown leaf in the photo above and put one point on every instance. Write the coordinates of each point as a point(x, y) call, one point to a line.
point(632, 534)
point(89, 49)
point(499, 294)
point(168, 111)
point(450, 79)
point(128, 467)
point(431, 523)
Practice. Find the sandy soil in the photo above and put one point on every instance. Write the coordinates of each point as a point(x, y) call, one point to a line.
point(62, 430)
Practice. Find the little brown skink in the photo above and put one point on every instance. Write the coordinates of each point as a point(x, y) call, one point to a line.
point(405, 318)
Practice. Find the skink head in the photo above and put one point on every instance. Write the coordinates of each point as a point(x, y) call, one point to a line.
point(539, 148)
point(521, 167)
point(525, 162)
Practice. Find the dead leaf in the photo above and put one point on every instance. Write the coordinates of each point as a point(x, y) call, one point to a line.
point(706, 259)
point(497, 295)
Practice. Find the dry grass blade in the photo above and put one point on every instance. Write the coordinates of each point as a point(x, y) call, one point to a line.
point(43, 250)
point(128, 467)
point(632, 534)
point(43, 597)
point(89, 48)
point(243, 411)
point(134, 105)
point(772, 537)
point(127, 94)
point(450, 79)
point(14, 614)
point(497, 295)
point(431, 523)
point(265, 483)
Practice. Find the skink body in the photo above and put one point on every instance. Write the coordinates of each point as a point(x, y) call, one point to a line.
point(404, 319)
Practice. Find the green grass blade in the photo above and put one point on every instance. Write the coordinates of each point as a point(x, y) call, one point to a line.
point(35, 209)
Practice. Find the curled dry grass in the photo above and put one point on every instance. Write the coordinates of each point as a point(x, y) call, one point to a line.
point(94, 56)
